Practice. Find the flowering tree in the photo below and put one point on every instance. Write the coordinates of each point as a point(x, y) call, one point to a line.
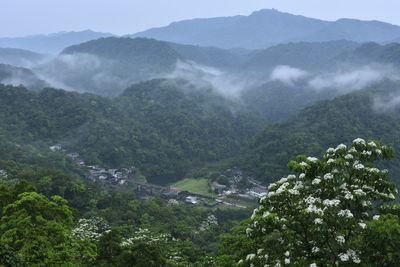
point(327, 214)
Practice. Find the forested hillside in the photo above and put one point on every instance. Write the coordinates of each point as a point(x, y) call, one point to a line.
point(163, 127)
point(368, 113)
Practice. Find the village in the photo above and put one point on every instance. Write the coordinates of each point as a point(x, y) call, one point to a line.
point(230, 188)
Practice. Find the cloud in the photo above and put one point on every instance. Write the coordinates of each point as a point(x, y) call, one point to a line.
point(386, 103)
point(350, 79)
point(288, 75)
point(227, 85)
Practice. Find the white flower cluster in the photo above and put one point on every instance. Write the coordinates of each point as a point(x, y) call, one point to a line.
point(3, 174)
point(359, 141)
point(345, 213)
point(343, 202)
point(340, 239)
point(144, 235)
point(91, 229)
point(210, 221)
point(312, 159)
point(331, 202)
point(350, 254)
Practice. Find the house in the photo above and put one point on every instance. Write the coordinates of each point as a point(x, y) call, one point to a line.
point(55, 147)
point(171, 193)
point(191, 200)
point(218, 187)
point(73, 155)
point(257, 192)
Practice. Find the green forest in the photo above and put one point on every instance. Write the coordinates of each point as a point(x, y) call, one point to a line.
point(124, 151)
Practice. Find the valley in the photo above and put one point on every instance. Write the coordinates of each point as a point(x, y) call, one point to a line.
point(222, 141)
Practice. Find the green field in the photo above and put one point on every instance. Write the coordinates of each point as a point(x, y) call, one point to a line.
point(199, 186)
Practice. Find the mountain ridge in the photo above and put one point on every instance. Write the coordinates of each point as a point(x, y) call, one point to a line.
point(267, 27)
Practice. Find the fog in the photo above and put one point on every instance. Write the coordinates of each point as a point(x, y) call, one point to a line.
point(224, 83)
point(344, 79)
point(287, 75)
point(350, 79)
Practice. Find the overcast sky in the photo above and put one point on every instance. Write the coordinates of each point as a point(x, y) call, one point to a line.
point(25, 17)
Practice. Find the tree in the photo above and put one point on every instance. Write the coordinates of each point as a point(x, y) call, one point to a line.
point(36, 231)
point(329, 214)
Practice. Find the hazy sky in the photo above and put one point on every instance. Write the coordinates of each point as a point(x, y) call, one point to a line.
point(24, 17)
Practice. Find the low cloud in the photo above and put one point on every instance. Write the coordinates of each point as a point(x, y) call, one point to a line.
point(347, 80)
point(227, 85)
point(387, 103)
point(287, 75)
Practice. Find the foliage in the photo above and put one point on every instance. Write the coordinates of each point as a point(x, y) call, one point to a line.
point(36, 231)
point(161, 127)
point(321, 125)
point(328, 214)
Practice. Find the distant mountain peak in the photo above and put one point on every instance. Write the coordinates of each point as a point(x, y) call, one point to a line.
point(267, 27)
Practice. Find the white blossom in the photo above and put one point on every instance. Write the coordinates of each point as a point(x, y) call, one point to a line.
point(340, 147)
point(348, 156)
point(330, 161)
point(315, 249)
point(358, 166)
point(366, 153)
point(331, 203)
point(304, 164)
point(344, 257)
point(316, 181)
point(287, 253)
point(376, 217)
point(312, 159)
point(266, 214)
point(330, 150)
point(359, 141)
point(345, 213)
point(318, 221)
point(340, 239)
point(250, 256)
point(359, 192)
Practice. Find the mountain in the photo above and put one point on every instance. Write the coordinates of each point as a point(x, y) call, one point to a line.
point(17, 76)
point(20, 57)
point(372, 113)
point(372, 53)
point(51, 43)
point(305, 55)
point(268, 27)
point(107, 66)
point(163, 127)
point(212, 56)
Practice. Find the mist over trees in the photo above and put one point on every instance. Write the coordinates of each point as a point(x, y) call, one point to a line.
point(223, 122)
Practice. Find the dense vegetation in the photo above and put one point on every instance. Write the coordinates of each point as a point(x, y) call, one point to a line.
point(163, 127)
point(339, 210)
point(255, 110)
point(325, 124)
point(67, 220)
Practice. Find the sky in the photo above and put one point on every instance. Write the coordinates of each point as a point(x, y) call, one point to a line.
point(27, 17)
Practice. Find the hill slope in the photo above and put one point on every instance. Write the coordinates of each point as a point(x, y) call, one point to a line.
point(20, 57)
point(20, 76)
point(370, 114)
point(163, 127)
